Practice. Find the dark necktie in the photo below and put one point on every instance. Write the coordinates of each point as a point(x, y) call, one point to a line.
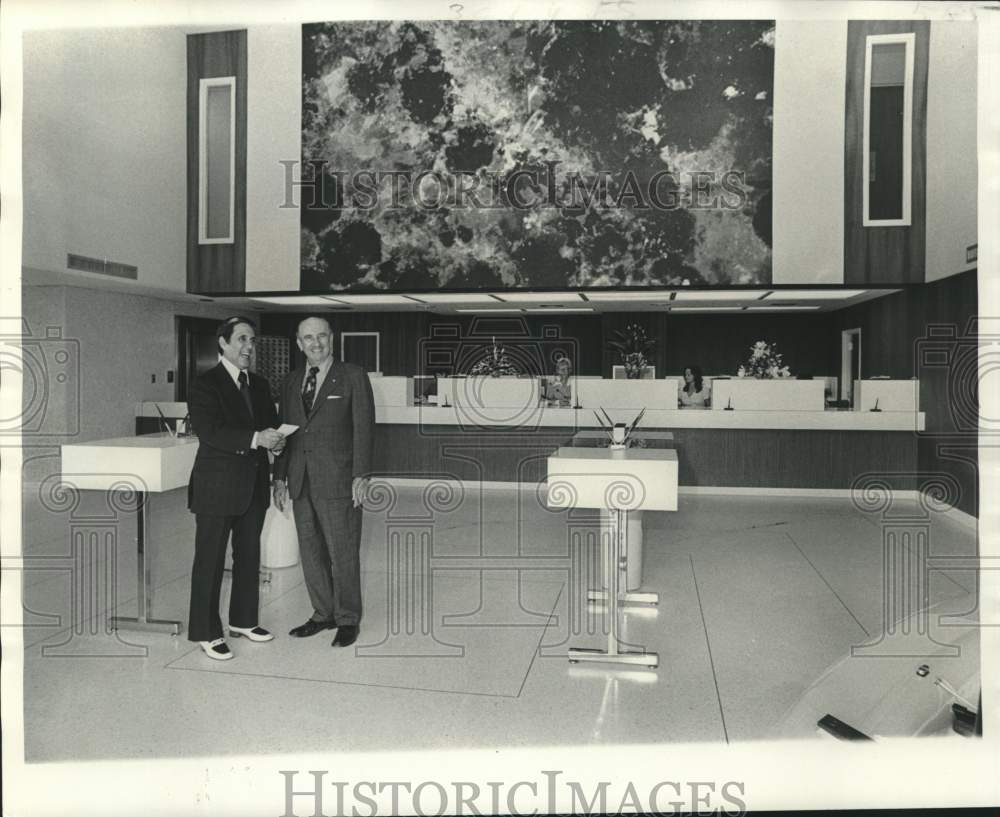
point(309, 392)
point(245, 391)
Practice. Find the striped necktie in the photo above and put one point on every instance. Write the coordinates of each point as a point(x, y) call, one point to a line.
point(309, 392)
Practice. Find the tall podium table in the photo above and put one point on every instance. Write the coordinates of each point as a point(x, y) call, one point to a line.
point(645, 438)
point(151, 463)
point(618, 481)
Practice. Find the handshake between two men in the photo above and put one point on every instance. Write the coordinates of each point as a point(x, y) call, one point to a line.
point(233, 412)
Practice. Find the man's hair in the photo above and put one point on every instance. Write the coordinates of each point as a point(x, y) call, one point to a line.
point(224, 331)
point(314, 318)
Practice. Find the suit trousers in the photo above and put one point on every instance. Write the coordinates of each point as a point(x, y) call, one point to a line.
point(210, 540)
point(329, 530)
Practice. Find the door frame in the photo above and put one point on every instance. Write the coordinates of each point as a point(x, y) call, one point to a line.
point(184, 326)
point(378, 344)
point(846, 375)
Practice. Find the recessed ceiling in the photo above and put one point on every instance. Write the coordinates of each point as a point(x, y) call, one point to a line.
point(671, 300)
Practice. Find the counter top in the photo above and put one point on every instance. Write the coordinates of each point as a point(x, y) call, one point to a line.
point(159, 440)
point(151, 462)
point(552, 417)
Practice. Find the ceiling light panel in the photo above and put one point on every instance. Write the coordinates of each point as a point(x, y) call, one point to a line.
point(615, 297)
point(455, 298)
point(777, 308)
point(295, 300)
point(718, 295)
point(540, 297)
point(706, 309)
point(373, 300)
point(814, 294)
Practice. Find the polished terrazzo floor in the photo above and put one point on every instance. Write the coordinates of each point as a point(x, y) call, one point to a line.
point(472, 598)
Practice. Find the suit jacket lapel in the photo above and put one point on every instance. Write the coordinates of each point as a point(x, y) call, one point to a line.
point(231, 393)
point(292, 411)
point(325, 388)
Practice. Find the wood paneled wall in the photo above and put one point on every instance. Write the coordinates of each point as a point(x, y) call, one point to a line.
point(717, 343)
point(706, 457)
point(217, 268)
point(883, 255)
point(929, 332)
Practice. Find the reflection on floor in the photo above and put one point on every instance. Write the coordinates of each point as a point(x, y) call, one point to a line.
point(471, 601)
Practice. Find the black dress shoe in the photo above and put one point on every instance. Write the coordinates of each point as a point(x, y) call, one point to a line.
point(346, 635)
point(311, 628)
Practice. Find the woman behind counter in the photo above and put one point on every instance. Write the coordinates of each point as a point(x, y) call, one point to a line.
point(696, 393)
point(558, 390)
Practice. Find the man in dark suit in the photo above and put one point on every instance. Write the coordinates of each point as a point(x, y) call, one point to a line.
point(233, 416)
point(325, 470)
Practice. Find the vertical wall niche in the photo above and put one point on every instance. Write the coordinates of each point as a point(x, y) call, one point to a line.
point(216, 161)
point(885, 144)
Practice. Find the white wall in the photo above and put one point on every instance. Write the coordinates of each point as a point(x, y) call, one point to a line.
point(117, 341)
point(274, 134)
point(810, 73)
point(951, 148)
point(104, 150)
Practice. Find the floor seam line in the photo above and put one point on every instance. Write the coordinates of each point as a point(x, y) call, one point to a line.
point(541, 638)
point(828, 585)
point(322, 681)
point(708, 645)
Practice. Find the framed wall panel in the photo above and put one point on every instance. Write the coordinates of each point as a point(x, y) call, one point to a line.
point(886, 120)
point(216, 161)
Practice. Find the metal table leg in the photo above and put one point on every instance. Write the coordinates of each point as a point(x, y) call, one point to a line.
point(616, 571)
point(144, 621)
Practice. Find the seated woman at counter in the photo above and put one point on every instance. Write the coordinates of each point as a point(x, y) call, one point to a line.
point(558, 390)
point(696, 393)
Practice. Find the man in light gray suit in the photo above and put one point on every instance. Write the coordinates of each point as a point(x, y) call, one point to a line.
point(325, 469)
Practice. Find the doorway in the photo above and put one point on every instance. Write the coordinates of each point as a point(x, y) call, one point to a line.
point(850, 363)
point(197, 351)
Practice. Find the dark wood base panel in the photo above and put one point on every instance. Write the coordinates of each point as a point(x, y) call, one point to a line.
point(707, 457)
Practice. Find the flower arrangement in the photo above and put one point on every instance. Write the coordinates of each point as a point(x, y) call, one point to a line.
point(496, 363)
point(633, 347)
point(764, 363)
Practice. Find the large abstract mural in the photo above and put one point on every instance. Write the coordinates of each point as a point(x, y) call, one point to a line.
point(459, 155)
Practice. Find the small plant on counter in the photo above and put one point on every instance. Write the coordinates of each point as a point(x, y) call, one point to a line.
point(765, 362)
point(634, 348)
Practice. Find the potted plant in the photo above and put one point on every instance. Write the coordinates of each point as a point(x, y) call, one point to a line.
point(496, 363)
point(634, 349)
point(765, 362)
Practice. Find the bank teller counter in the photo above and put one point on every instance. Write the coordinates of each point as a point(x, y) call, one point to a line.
point(757, 433)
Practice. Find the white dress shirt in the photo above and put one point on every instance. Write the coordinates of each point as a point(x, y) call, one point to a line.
point(234, 373)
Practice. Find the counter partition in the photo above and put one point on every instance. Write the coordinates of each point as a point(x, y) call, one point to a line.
point(497, 430)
